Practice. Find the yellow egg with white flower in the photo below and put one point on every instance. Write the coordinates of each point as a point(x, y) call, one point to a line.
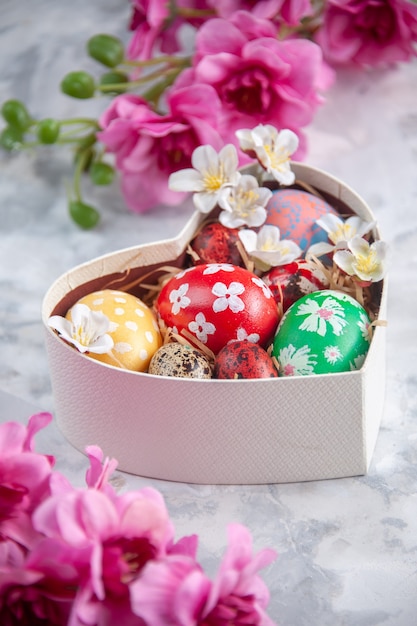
point(132, 327)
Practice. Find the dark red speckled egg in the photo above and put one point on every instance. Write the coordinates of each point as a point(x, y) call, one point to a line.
point(215, 243)
point(291, 281)
point(243, 359)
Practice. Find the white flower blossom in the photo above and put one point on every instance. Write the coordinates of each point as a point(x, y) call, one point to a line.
point(272, 148)
point(87, 330)
point(228, 297)
point(363, 260)
point(339, 232)
point(244, 204)
point(266, 248)
point(332, 354)
point(242, 335)
point(179, 299)
point(364, 326)
point(319, 316)
point(293, 362)
point(210, 174)
point(201, 327)
point(213, 268)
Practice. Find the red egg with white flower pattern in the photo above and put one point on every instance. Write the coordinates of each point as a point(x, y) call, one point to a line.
point(291, 281)
point(217, 303)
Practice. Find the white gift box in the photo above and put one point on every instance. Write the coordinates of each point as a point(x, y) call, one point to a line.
point(214, 431)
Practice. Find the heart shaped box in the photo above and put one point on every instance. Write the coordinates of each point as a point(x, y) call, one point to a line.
point(214, 431)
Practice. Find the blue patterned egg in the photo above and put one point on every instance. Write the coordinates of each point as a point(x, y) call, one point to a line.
point(323, 332)
point(295, 212)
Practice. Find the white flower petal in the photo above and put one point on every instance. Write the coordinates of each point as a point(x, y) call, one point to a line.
point(102, 345)
point(288, 140)
point(229, 160)
point(245, 139)
point(204, 158)
point(345, 260)
point(204, 201)
point(319, 249)
point(61, 325)
point(284, 175)
point(330, 222)
point(359, 246)
point(229, 220)
point(268, 237)
point(249, 239)
point(186, 180)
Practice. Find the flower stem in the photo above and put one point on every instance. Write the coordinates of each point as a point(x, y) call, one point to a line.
point(171, 72)
point(87, 121)
point(168, 59)
point(153, 94)
point(195, 13)
point(79, 168)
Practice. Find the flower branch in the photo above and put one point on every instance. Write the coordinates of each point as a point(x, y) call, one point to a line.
point(156, 119)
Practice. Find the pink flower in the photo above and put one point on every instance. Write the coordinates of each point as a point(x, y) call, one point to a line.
point(258, 79)
point(288, 11)
point(153, 22)
point(147, 22)
point(98, 473)
point(149, 147)
point(24, 477)
point(176, 591)
point(368, 33)
point(170, 591)
point(34, 589)
point(238, 595)
point(108, 540)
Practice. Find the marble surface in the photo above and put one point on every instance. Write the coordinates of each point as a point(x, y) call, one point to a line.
point(348, 547)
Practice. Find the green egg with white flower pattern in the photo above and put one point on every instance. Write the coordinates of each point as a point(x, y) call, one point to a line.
point(322, 333)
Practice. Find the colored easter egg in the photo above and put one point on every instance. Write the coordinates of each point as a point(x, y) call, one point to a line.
point(180, 361)
point(295, 212)
point(216, 303)
point(133, 328)
point(243, 359)
point(323, 332)
point(216, 243)
point(291, 281)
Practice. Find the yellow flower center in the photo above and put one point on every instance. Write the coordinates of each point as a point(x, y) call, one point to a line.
point(367, 264)
point(277, 160)
point(343, 232)
point(268, 244)
point(214, 180)
point(243, 200)
point(83, 335)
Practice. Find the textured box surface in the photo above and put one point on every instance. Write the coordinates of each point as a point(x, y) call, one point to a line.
point(214, 431)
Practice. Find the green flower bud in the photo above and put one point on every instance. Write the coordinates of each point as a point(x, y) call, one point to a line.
point(48, 130)
point(16, 114)
point(83, 214)
point(78, 85)
point(11, 138)
point(102, 173)
point(106, 49)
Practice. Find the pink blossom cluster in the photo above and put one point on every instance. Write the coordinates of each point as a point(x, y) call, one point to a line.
point(265, 62)
point(92, 557)
point(240, 75)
